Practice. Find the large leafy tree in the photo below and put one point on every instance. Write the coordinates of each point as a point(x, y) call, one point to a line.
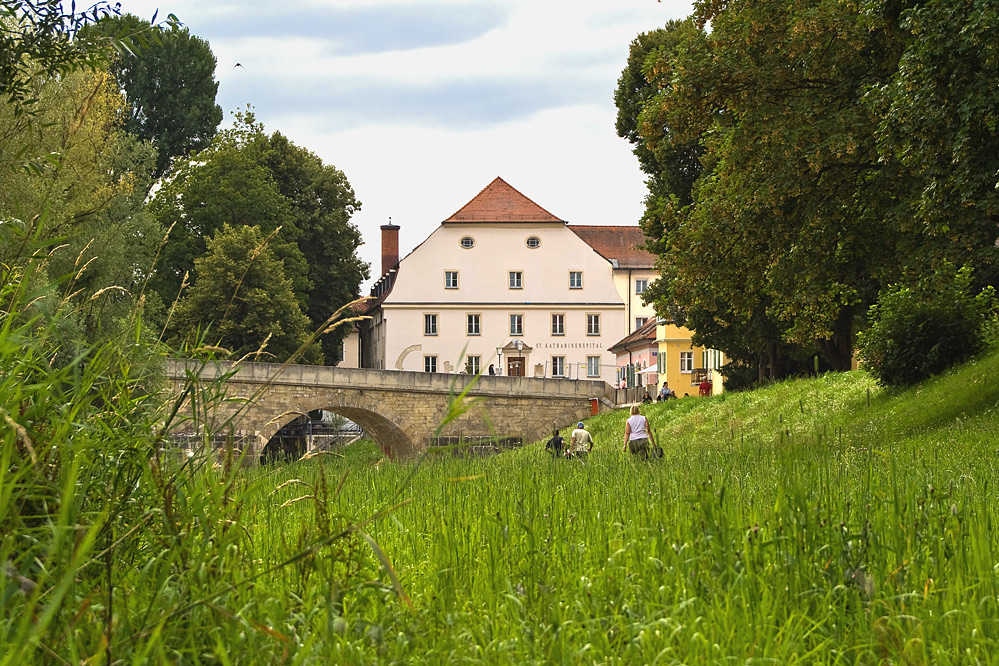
point(322, 203)
point(247, 178)
point(787, 217)
point(224, 184)
point(170, 87)
point(939, 120)
point(242, 301)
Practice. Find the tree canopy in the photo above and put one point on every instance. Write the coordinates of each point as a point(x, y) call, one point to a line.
point(242, 301)
point(247, 178)
point(801, 201)
point(170, 87)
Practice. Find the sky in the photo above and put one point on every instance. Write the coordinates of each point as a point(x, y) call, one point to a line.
point(423, 103)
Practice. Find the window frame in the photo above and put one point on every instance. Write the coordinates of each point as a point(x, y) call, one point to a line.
point(560, 332)
point(476, 364)
point(430, 363)
point(519, 279)
point(478, 323)
point(560, 359)
point(530, 238)
point(471, 242)
point(686, 362)
point(520, 323)
point(429, 317)
point(640, 322)
point(578, 274)
point(591, 319)
point(447, 275)
point(644, 283)
point(591, 363)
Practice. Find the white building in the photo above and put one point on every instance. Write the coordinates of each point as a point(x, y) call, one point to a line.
point(503, 282)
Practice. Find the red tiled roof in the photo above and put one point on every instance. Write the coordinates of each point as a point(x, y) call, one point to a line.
point(621, 243)
point(643, 337)
point(500, 202)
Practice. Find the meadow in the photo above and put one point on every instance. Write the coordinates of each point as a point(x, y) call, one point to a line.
point(816, 521)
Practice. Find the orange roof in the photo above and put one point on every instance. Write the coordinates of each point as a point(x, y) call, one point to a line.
point(624, 244)
point(644, 336)
point(499, 202)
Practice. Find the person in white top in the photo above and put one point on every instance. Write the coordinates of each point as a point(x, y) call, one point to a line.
point(637, 434)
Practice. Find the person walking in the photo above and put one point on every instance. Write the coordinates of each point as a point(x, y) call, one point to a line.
point(580, 443)
point(637, 434)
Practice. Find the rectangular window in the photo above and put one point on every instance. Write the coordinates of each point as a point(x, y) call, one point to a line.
point(516, 324)
point(575, 279)
point(641, 285)
point(558, 324)
point(429, 324)
point(429, 364)
point(450, 279)
point(593, 324)
point(558, 366)
point(473, 365)
point(516, 279)
point(640, 322)
point(687, 362)
point(473, 324)
point(592, 366)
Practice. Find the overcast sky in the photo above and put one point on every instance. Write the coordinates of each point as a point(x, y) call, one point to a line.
point(422, 104)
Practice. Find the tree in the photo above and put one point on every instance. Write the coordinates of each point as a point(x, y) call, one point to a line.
point(170, 87)
point(788, 215)
point(242, 301)
point(249, 178)
point(322, 203)
point(939, 119)
point(224, 184)
point(39, 38)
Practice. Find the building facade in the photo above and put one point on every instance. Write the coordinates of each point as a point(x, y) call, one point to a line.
point(504, 283)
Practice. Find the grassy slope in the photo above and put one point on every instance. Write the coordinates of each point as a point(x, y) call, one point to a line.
point(795, 523)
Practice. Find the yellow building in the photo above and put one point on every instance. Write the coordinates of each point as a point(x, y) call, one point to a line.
point(687, 368)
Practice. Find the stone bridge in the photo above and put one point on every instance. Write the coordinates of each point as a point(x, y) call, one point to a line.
point(401, 411)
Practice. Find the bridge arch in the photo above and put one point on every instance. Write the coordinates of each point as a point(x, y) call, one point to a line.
point(392, 434)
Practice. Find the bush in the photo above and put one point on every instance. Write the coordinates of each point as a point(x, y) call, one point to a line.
point(919, 332)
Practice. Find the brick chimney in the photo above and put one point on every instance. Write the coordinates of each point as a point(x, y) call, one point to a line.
point(390, 246)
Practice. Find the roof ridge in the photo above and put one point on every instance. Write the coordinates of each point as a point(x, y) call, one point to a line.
point(499, 201)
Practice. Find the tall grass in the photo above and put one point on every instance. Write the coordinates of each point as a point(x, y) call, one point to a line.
point(816, 521)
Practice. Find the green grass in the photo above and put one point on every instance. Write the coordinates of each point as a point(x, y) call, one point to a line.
point(815, 521)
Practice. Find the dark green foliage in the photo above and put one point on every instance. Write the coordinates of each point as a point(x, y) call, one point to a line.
point(170, 89)
point(322, 203)
point(243, 302)
point(918, 332)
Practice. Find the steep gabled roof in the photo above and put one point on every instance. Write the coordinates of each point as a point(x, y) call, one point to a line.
point(623, 244)
point(644, 336)
point(500, 202)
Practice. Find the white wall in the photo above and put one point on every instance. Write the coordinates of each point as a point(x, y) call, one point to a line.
point(483, 288)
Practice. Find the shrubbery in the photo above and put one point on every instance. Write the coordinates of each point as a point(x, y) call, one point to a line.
point(918, 332)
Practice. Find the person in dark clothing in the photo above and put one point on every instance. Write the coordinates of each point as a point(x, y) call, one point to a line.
point(555, 445)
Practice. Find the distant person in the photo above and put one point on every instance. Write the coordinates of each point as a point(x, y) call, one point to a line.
point(555, 445)
point(637, 434)
point(624, 383)
point(580, 443)
point(647, 399)
point(665, 393)
point(704, 388)
point(492, 369)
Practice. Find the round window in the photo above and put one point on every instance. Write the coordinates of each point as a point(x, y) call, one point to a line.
point(533, 242)
point(467, 242)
